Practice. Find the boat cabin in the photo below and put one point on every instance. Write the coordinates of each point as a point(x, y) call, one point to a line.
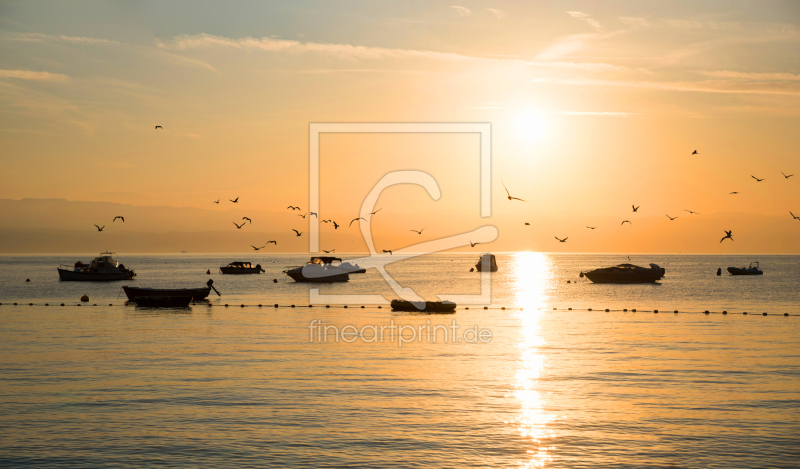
point(240, 265)
point(324, 260)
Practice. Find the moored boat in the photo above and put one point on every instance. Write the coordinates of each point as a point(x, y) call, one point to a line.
point(487, 263)
point(625, 273)
point(241, 268)
point(103, 268)
point(320, 269)
point(353, 268)
point(195, 294)
point(750, 270)
point(443, 307)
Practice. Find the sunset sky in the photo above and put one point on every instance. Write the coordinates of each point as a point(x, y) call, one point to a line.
point(594, 106)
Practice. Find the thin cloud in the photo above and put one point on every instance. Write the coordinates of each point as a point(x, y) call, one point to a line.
point(701, 87)
point(463, 11)
point(500, 14)
point(39, 37)
point(635, 22)
point(564, 46)
point(584, 17)
point(596, 113)
point(756, 76)
point(29, 75)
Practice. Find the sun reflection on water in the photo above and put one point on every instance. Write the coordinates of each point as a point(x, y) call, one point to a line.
point(533, 273)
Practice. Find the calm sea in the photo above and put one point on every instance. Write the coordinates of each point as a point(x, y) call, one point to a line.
point(524, 386)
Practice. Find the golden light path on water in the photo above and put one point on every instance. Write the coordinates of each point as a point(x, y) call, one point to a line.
point(533, 274)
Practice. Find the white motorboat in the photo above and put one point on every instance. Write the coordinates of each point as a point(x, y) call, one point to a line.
point(103, 268)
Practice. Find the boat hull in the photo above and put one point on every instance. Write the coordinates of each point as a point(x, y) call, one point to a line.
point(737, 271)
point(239, 271)
point(71, 276)
point(163, 301)
point(297, 276)
point(429, 307)
point(196, 294)
point(605, 277)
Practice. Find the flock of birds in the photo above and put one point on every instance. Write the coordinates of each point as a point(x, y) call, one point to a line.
point(635, 209)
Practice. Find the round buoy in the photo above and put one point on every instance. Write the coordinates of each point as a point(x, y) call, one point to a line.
point(464, 308)
point(27, 280)
point(31, 304)
point(15, 304)
point(676, 311)
point(655, 311)
point(744, 312)
point(292, 306)
point(522, 309)
point(724, 312)
point(208, 271)
point(764, 314)
point(62, 304)
point(85, 298)
point(47, 304)
point(242, 306)
point(625, 310)
point(569, 309)
point(606, 310)
point(327, 306)
point(555, 309)
point(379, 307)
point(633, 310)
point(226, 305)
point(92, 305)
point(110, 304)
point(590, 309)
point(362, 306)
point(485, 307)
point(503, 308)
point(276, 305)
point(345, 306)
point(259, 306)
point(75, 305)
point(785, 314)
point(706, 312)
point(274, 280)
point(569, 281)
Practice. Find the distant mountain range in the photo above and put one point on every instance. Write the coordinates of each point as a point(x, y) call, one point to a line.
point(62, 226)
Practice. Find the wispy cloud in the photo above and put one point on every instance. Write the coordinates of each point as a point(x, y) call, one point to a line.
point(701, 87)
point(584, 17)
point(29, 75)
point(463, 11)
point(754, 76)
point(39, 37)
point(500, 14)
point(633, 21)
point(596, 113)
point(564, 46)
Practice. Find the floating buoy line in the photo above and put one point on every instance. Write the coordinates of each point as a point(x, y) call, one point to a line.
point(497, 308)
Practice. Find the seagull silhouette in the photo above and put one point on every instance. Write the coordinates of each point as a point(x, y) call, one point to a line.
point(625, 221)
point(298, 233)
point(694, 152)
point(509, 194)
point(335, 226)
point(216, 201)
point(671, 218)
point(787, 176)
point(273, 242)
point(325, 221)
point(293, 207)
point(734, 192)
point(262, 247)
point(236, 201)
point(591, 227)
point(159, 127)
point(418, 231)
point(693, 213)
point(376, 211)
point(115, 219)
point(527, 223)
point(238, 226)
point(354, 219)
point(313, 213)
point(98, 228)
point(302, 215)
point(635, 208)
point(389, 251)
point(727, 236)
point(757, 179)
point(472, 245)
point(245, 218)
point(328, 252)
point(794, 216)
point(561, 240)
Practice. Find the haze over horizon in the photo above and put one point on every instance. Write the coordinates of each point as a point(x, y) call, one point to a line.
point(593, 107)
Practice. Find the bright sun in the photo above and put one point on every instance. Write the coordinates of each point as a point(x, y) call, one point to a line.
point(531, 126)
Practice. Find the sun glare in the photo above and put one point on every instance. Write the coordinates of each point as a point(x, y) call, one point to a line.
point(531, 126)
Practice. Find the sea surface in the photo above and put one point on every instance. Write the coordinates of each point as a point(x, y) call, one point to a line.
point(518, 384)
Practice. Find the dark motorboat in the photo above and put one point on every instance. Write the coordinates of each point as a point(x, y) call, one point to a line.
point(487, 263)
point(442, 307)
point(625, 273)
point(751, 270)
point(194, 294)
point(320, 269)
point(103, 268)
point(353, 268)
point(241, 268)
point(163, 301)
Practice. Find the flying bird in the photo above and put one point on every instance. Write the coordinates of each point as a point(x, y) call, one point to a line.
point(328, 252)
point(727, 236)
point(472, 245)
point(527, 223)
point(418, 231)
point(236, 201)
point(159, 127)
point(216, 201)
point(302, 215)
point(262, 247)
point(591, 227)
point(273, 242)
point(325, 221)
point(245, 218)
point(293, 207)
point(121, 218)
point(693, 213)
point(238, 226)
point(794, 216)
point(298, 233)
point(734, 192)
point(509, 194)
point(561, 240)
point(376, 211)
point(787, 176)
point(389, 251)
point(354, 219)
point(757, 179)
point(313, 213)
point(694, 152)
point(335, 226)
point(671, 218)
point(626, 221)
point(98, 228)
point(635, 208)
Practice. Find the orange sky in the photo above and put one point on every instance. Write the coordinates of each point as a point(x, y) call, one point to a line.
point(593, 107)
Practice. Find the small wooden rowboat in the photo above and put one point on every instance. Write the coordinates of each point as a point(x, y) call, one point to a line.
point(441, 307)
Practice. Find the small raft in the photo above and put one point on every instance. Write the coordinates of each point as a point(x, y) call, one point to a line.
point(441, 307)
